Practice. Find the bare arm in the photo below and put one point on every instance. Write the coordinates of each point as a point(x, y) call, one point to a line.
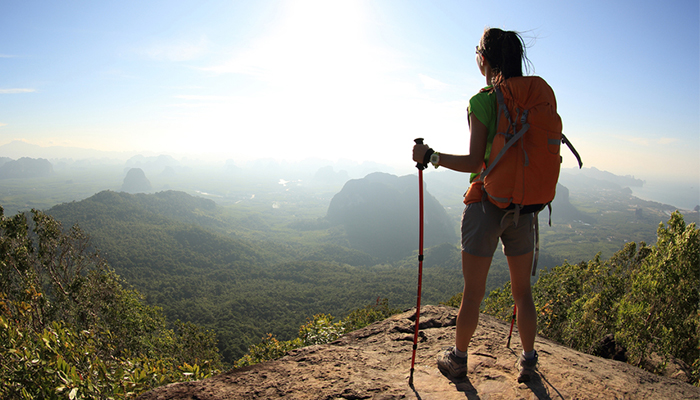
point(471, 162)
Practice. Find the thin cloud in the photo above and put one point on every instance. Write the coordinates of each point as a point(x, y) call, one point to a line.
point(636, 140)
point(432, 83)
point(667, 140)
point(7, 56)
point(16, 90)
point(241, 65)
point(184, 50)
point(2, 124)
point(201, 97)
point(647, 142)
point(116, 73)
point(183, 87)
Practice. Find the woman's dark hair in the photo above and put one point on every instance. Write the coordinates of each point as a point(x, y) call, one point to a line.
point(505, 52)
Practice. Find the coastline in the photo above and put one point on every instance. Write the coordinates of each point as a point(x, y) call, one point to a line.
point(682, 195)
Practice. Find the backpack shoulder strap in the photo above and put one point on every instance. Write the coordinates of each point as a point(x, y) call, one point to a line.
point(502, 108)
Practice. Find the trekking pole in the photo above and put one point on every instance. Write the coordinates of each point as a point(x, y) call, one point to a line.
point(512, 320)
point(420, 167)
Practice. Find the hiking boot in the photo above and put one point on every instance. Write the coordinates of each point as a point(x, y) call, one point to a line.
point(452, 366)
point(526, 368)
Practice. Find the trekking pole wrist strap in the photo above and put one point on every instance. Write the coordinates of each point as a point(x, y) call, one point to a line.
point(426, 157)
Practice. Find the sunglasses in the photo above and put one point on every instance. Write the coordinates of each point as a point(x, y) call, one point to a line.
point(479, 57)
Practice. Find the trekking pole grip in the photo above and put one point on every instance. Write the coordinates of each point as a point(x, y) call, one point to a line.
point(419, 164)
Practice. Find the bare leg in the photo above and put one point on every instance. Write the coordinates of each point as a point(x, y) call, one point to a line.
point(475, 270)
point(520, 268)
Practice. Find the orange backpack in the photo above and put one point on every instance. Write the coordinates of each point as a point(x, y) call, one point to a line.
point(523, 166)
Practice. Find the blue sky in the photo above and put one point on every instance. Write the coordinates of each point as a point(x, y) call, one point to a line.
point(353, 80)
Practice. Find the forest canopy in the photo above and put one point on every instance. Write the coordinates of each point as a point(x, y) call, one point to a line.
point(69, 328)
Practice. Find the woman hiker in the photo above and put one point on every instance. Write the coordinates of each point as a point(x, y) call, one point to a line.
point(500, 56)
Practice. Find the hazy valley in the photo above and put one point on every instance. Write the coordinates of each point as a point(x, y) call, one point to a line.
point(246, 251)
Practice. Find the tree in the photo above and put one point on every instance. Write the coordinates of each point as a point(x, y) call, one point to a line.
point(69, 329)
point(659, 311)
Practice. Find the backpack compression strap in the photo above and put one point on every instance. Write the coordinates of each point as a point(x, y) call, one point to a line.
point(566, 141)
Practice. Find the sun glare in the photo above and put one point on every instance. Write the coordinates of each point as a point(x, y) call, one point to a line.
point(318, 42)
point(326, 87)
point(322, 76)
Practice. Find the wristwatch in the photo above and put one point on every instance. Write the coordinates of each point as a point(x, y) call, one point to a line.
point(435, 159)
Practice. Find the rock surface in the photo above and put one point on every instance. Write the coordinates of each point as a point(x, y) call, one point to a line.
point(374, 363)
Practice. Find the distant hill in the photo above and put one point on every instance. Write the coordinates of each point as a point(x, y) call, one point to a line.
point(19, 148)
point(380, 216)
point(156, 164)
point(26, 167)
point(562, 209)
point(584, 178)
point(624, 181)
point(328, 176)
point(136, 182)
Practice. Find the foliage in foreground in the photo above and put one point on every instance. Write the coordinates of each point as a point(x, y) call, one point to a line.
point(645, 297)
point(320, 330)
point(69, 329)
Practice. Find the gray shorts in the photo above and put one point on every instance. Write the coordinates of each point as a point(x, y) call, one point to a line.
point(483, 223)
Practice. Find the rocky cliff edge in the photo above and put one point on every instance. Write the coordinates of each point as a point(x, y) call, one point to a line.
point(374, 363)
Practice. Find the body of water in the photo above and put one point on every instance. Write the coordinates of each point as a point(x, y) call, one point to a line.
point(683, 195)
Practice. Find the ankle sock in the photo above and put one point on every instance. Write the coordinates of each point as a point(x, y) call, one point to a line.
point(460, 354)
point(529, 355)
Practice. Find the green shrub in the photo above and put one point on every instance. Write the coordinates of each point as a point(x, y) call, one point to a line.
point(70, 330)
point(369, 314)
point(646, 297)
point(269, 348)
point(659, 311)
point(321, 329)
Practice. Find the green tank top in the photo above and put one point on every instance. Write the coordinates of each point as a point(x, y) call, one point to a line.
point(483, 106)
